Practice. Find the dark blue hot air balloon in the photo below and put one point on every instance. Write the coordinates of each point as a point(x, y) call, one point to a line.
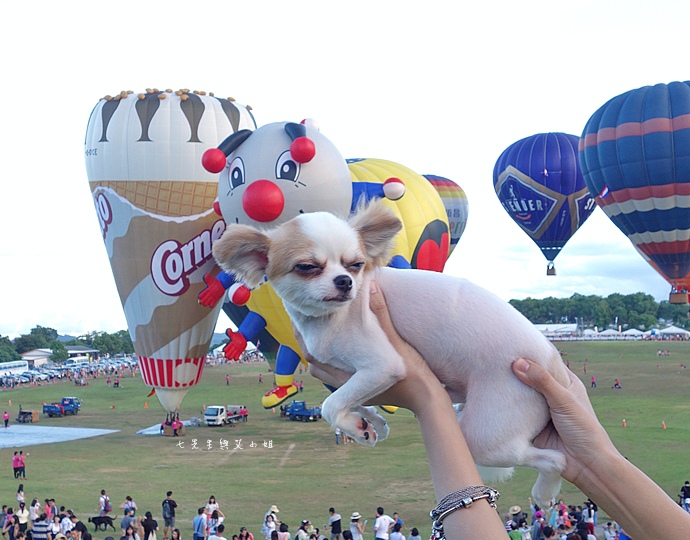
point(539, 183)
point(635, 157)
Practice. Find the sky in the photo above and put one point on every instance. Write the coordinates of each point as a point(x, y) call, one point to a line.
point(440, 87)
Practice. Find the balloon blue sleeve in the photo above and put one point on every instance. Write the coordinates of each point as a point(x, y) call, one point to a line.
point(398, 261)
point(252, 324)
point(226, 280)
point(366, 191)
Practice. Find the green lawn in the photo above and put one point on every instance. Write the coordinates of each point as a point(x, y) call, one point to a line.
point(298, 467)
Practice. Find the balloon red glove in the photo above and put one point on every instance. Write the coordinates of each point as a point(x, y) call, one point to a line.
point(237, 345)
point(213, 291)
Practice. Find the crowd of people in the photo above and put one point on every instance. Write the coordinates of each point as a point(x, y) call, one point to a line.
point(384, 527)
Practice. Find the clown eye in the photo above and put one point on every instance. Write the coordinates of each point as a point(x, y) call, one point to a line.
point(286, 167)
point(236, 173)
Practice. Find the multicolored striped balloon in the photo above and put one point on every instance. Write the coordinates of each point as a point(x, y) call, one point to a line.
point(457, 208)
point(635, 157)
point(540, 185)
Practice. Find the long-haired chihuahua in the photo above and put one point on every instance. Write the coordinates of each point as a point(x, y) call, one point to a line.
point(322, 266)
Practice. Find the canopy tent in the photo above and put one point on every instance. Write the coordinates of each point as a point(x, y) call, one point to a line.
point(610, 332)
point(634, 332)
point(674, 330)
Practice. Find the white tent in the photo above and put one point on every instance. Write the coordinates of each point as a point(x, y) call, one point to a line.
point(633, 332)
point(610, 332)
point(674, 330)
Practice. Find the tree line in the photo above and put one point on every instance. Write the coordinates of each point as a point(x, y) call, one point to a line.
point(41, 337)
point(637, 310)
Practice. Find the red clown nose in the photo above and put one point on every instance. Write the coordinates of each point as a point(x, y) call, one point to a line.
point(302, 150)
point(213, 160)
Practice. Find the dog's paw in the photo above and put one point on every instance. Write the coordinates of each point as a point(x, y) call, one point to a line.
point(377, 421)
point(361, 429)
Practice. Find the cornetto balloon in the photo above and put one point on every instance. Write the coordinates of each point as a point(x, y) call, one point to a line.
point(154, 202)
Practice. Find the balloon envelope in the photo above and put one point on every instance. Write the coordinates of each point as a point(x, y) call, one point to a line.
point(539, 183)
point(154, 203)
point(456, 205)
point(635, 156)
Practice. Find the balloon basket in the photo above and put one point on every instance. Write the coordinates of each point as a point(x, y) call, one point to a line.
point(550, 270)
point(678, 298)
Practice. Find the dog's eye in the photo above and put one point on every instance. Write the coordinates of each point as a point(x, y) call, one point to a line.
point(356, 266)
point(286, 167)
point(236, 173)
point(306, 268)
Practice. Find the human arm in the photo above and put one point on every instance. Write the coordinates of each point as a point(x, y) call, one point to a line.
point(450, 462)
point(594, 464)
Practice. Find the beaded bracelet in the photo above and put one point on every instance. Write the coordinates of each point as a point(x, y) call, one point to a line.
point(462, 498)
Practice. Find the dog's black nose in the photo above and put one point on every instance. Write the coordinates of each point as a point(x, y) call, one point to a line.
point(343, 283)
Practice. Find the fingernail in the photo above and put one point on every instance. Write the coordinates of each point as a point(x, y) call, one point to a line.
point(521, 365)
point(373, 288)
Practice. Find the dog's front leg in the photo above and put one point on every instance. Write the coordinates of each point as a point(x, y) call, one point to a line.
point(343, 408)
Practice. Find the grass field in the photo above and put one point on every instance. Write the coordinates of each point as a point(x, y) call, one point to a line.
point(298, 466)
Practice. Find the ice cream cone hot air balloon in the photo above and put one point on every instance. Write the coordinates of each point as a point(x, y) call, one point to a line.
point(154, 202)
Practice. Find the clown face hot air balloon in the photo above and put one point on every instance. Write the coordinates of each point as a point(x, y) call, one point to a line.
point(283, 169)
point(154, 202)
point(635, 157)
point(539, 184)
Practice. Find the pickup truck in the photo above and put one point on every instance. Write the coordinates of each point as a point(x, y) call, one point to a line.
point(219, 415)
point(68, 405)
point(298, 410)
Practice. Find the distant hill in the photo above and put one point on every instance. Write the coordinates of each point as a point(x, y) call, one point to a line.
point(218, 338)
point(65, 339)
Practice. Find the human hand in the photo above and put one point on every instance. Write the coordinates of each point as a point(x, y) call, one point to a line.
point(574, 429)
point(412, 391)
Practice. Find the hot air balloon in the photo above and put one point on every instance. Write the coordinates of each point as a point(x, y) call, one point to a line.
point(154, 203)
point(422, 243)
point(455, 202)
point(635, 157)
point(272, 174)
point(539, 184)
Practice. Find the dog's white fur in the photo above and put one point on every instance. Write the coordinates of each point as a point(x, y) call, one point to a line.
point(468, 336)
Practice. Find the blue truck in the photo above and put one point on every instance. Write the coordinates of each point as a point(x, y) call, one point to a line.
point(67, 405)
point(298, 410)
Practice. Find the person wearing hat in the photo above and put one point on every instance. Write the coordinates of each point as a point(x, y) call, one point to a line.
point(60, 536)
point(516, 513)
point(272, 511)
point(538, 526)
point(356, 526)
point(302, 533)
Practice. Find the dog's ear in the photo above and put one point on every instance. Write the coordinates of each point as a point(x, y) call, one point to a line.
point(377, 226)
point(243, 251)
